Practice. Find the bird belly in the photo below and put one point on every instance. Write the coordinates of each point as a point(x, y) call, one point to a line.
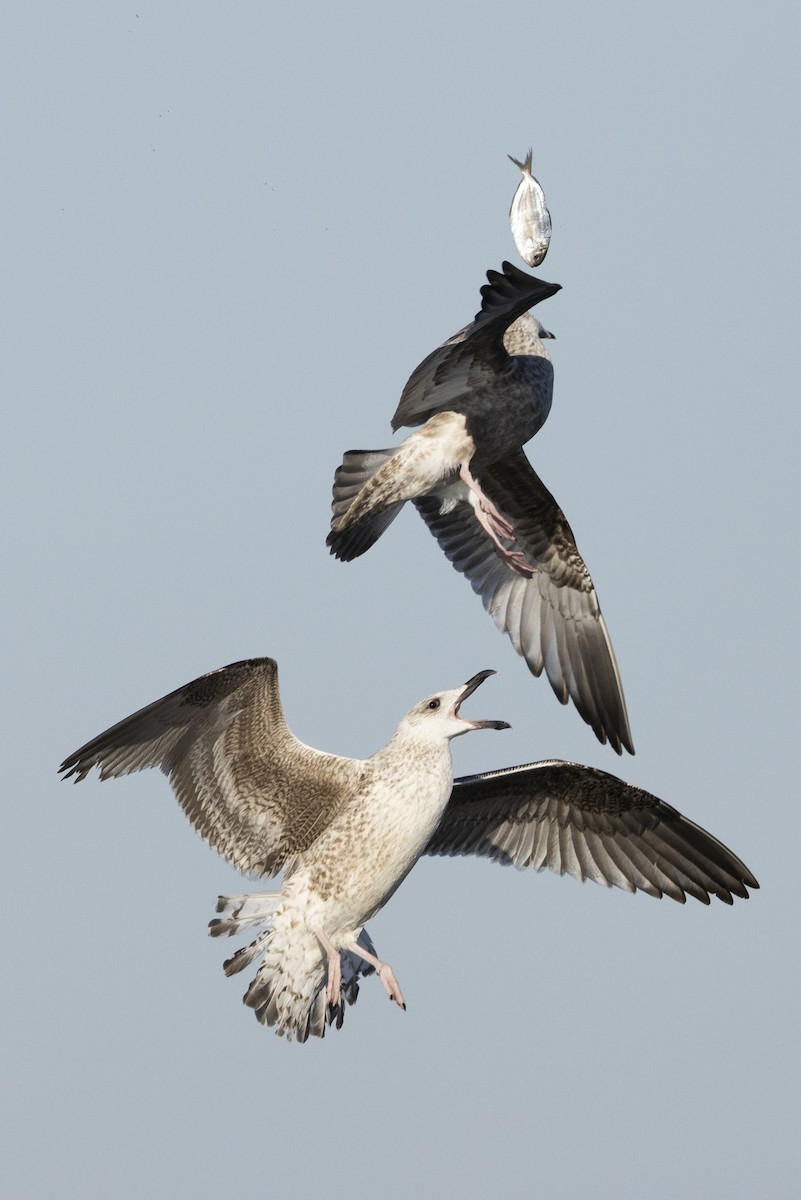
point(435, 453)
point(364, 856)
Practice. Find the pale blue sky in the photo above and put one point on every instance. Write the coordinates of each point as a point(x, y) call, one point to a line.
point(231, 231)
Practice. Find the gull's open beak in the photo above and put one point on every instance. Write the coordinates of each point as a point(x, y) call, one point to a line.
point(468, 690)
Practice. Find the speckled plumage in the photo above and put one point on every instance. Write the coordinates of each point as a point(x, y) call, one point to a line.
point(346, 832)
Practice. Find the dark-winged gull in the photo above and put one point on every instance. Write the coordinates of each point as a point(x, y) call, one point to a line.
point(346, 832)
point(480, 396)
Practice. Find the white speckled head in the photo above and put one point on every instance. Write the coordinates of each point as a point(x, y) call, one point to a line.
point(524, 336)
point(437, 718)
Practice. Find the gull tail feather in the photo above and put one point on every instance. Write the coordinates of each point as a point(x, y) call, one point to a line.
point(360, 513)
point(288, 991)
point(243, 912)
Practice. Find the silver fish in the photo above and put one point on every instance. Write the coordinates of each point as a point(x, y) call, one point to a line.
point(529, 217)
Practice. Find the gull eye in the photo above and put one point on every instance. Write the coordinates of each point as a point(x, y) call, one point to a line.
point(433, 704)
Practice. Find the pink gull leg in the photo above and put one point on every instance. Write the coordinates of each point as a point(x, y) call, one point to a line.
point(383, 970)
point(495, 525)
point(334, 969)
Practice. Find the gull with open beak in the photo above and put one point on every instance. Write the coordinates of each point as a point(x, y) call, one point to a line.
point(346, 832)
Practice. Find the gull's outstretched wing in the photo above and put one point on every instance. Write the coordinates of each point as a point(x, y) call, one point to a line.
point(583, 822)
point(552, 617)
point(253, 791)
point(475, 357)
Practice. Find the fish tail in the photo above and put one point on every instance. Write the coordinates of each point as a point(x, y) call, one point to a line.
point(525, 167)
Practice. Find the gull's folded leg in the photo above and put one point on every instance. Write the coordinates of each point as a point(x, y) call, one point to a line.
point(495, 525)
point(383, 971)
point(334, 968)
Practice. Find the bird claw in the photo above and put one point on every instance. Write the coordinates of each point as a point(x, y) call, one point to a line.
point(391, 986)
point(496, 525)
point(334, 985)
point(383, 971)
point(515, 560)
point(499, 530)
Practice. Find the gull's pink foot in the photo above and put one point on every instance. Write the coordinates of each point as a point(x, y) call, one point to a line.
point(496, 526)
point(391, 986)
point(383, 971)
point(333, 991)
point(516, 561)
point(334, 986)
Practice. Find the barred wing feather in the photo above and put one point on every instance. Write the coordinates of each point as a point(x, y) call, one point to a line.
point(233, 763)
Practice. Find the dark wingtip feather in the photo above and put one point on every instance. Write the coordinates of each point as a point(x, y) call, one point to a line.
point(71, 766)
point(350, 543)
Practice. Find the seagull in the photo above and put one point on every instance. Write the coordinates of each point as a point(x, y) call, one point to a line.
point(479, 398)
point(346, 832)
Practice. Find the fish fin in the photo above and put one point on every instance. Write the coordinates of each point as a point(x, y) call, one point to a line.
point(525, 167)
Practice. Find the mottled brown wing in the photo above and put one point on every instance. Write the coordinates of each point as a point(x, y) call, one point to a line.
point(553, 617)
point(473, 358)
point(253, 791)
point(583, 822)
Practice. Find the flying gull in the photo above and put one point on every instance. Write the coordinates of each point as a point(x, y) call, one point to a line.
point(479, 398)
point(346, 832)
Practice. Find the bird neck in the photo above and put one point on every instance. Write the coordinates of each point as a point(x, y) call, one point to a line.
point(409, 745)
point(419, 769)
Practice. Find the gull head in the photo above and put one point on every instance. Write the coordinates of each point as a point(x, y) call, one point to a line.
point(525, 336)
point(439, 718)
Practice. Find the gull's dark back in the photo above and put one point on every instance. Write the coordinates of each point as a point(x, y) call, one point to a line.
point(505, 393)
